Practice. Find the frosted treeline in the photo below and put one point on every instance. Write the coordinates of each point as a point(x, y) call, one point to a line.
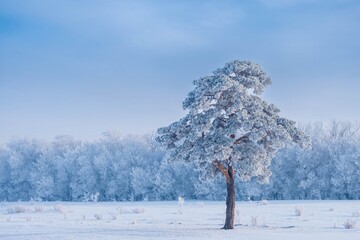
point(118, 168)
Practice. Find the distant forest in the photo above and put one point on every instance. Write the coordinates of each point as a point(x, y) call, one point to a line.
point(131, 168)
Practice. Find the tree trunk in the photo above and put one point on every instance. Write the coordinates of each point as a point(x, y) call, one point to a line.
point(230, 199)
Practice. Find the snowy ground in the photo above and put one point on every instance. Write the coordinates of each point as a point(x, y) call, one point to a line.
point(167, 220)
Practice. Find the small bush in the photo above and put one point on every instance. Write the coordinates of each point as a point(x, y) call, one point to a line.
point(20, 209)
point(119, 210)
point(263, 202)
point(331, 209)
point(356, 214)
point(349, 224)
point(10, 210)
point(237, 214)
point(298, 211)
point(98, 216)
point(60, 208)
point(254, 220)
point(16, 209)
point(113, 216)
point(138, 210)
point(39, 208)
point(181, 201)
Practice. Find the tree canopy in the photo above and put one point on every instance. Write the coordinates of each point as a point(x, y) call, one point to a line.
point(228, 124)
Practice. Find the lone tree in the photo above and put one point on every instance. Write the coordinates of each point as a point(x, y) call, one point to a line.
point(230, 129)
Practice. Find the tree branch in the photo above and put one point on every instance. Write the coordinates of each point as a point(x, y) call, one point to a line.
point(241, 139)
point(224, 171)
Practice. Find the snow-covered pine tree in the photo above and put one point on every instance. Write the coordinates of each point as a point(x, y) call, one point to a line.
point(230, 129)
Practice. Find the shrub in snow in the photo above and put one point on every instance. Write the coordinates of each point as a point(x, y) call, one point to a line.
point(60, 208)
point(39, 208)
point(265, 224)
point(133, 222)
point(8, 219)
point(138, 210)
point(113, 216)
point(349, 224)
point(20, 209)
point(254, 220)
point(10, 210)
point(298, 211)
point(98, 216)
point(237, 213)
point(331, 209)
point(263, 202)
point(356, 214)
point(16, 209)
point(83, 217)
point(28, 219)
point(119, 210)
point(181, 201)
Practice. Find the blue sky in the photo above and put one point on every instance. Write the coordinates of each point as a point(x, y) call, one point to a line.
point(85, 67)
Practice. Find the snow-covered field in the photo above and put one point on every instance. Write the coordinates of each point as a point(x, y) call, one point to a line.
point(168, 220)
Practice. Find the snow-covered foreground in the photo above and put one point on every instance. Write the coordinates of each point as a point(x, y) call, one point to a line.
point(168, 220)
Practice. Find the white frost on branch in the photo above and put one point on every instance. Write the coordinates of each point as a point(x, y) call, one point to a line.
point(228, 122)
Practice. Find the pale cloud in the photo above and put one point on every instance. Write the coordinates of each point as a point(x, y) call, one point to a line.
point(142, 23)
